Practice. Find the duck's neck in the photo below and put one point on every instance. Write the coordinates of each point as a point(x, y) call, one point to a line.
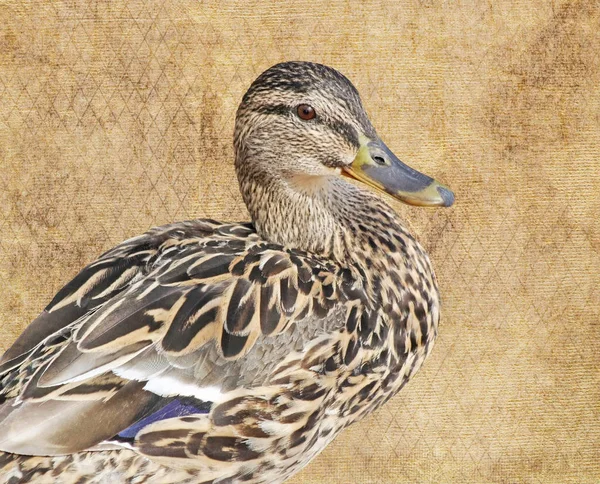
point(324, 215)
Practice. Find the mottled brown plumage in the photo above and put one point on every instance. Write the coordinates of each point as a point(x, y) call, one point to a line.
point(211, 352)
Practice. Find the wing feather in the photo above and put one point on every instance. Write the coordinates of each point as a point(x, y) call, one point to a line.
point(193, 309)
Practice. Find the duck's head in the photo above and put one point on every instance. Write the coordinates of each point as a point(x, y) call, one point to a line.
point(303, 123)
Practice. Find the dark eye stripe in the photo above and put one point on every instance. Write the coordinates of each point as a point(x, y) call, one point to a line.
point(347, 131)
point(280, 109)
point(341, 127)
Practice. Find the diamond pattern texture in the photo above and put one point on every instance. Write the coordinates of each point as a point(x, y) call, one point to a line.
point(118, 116)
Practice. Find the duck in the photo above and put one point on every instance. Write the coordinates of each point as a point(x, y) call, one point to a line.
point(211, 352)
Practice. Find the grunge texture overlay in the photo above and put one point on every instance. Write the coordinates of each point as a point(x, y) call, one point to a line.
point(118, 116)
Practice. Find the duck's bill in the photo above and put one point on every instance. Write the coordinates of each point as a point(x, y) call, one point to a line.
point(378, 167)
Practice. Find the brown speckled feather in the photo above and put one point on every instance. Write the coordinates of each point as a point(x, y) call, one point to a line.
point(214, 293)
point(289, 380)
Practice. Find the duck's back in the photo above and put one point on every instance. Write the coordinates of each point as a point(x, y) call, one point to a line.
point(197, 344)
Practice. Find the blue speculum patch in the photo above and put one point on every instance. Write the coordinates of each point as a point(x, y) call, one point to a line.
point(176, 408)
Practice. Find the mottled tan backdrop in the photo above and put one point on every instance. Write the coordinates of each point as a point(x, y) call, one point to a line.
point(115, 117)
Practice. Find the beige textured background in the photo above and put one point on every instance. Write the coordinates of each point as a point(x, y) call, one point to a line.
point(115, 117)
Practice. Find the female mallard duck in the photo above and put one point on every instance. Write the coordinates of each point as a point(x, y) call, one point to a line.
point(211, 352)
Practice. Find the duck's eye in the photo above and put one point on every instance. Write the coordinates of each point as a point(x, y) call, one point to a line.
point(306, 112)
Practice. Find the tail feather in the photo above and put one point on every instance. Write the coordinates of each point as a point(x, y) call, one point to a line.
point(104, 467)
